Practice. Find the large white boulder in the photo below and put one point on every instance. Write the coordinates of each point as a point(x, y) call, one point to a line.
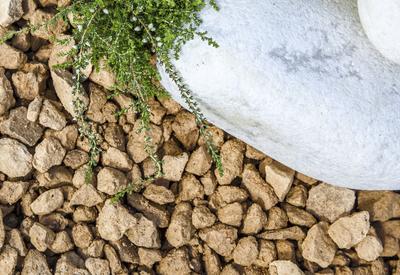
point(381, 22)
point(299, 80)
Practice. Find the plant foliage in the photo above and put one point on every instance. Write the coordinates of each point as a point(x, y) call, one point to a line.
point(131, 36)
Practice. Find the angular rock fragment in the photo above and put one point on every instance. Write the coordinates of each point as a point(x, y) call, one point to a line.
point(113, 221)
point(173, 166)
point(64, 86)
point(190, 188)
point(381, 205)
point(369, 249)
point(11, 58)
point(159, 194)
point(16, 241)
point(103, 76)
point(280, 178)
point(144, 233)
point(211, 261)
point(19, 127)
point(86, 195)
point(284, 268)
point(76, 158)
point(111, 181)
point(202, 217)
point(29, 84)
point(291, 233)
point(51, 117)
point(34, 109)
point(180, 229)
point(113, 259)
point(246, 251)
point(35, 263)
point(62, 243)
point(71, 263)
point(231, 214)
point(8, 260)
point(318, 247)
point(12, 191)
point(349, 231)
point(185, 129)
point(11, 11)
point(330, 202)
point(221, 238)
point(82, 235)
point(97, 266)
point(116, 159)
point(277, 219)
point(298, 216)
point(232, 155)
point(41, 237)
point(260, 191)
point(55, 177)
point(199, 162)
point(48, 153)
point(254, 220)
point(267, 253)
point(7, 99)
point(175, 262)
point(48, 202)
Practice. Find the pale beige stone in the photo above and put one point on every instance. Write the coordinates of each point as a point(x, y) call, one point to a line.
point(232, 155)
point(280, 178)
point(369, 249)
point(173, 166)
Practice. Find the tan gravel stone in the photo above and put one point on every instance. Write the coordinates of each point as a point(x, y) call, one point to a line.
point(297, 196)
point(12, 191)
point(227, 194)
point(286, 250)
point(254, 220)
point(70, 263)
point(111, 181)
point(113, 259)
point(159, 194)
point(298, 216)
point(330, 202)
point(267, 253)
point(8, 260)
point(48, 153)
point(253, 153)
point(103, 76)
point(11, 58)
point(318, 247)
point(7, 99)
point(55, 177)
point(284, 268)
point(14, 154)
point(157, 111)
point(76, 158)
point(280, 178)
point(116, 159)
point(86, 195)
point(217, 137)
point(277, 219)
point(82, 235)
point(173, 166)
point(35, 263)
point(34, 109)
point(29, 85)
point(246, 251)
point(113, 221)
point(180, 229)
point(175, 262)
point(232, 161)
point(62, 243)
point(16, 241)
point(291, 233)
point(190, 188)
point(221, 238)
point(211, 260)
point(260, 191)
point(185, 129)
point(209, 182)
point(369, 249)
point(144, 233)
point(48, 202)
point(97, 266)
point(152, 211)
point(41, 237)
point(148, 257)
point(381, 205)
point(349, 231)
point(19, 127)
point(231, 214)
point(51, 117)
point(115, 136)
point(199, 162)
point(202, 217)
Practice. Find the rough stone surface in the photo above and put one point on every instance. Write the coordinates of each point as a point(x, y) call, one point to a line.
point(303, 59)
point(221, 238)
point(284, 268)
point(144, 233)
point(349, 231)
point(48, 153)
point(86, 195)
point(11, 58)
point(7, 99)
point(173, 166)
point(246, 251)
point(381, 206)
point(369, 249)
point(254, 220)
point(111, 181)
point(202, 217)
point(11, 11)
point(19, 127)
point(48, 202)
point(232, 154)
point(114, 220)
point(14, 154)
point(179, 231)
point(330, 202)
point(35, 263)
point(318, 247)
point(280, 178)
point(175, 262)
point(51, 117)
point(159, 194)
point(41, 237)
point(8, 260)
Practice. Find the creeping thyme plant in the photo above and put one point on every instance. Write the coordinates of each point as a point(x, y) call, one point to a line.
point(130, 35)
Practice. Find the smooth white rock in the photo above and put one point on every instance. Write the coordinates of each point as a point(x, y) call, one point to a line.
point(10, 11)
point(381, 22)
point(300, 81)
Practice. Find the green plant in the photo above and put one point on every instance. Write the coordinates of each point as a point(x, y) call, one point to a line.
point(129, 35)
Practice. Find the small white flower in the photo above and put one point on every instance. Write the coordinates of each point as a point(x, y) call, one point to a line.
point(75, 47)
point(133, 18)
point(105, 11)
point(79, 28)
point(158, 38)
point(91, 10)
point(144, 40)
point(151, 26)
point(159, 44)
point(138, 29)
